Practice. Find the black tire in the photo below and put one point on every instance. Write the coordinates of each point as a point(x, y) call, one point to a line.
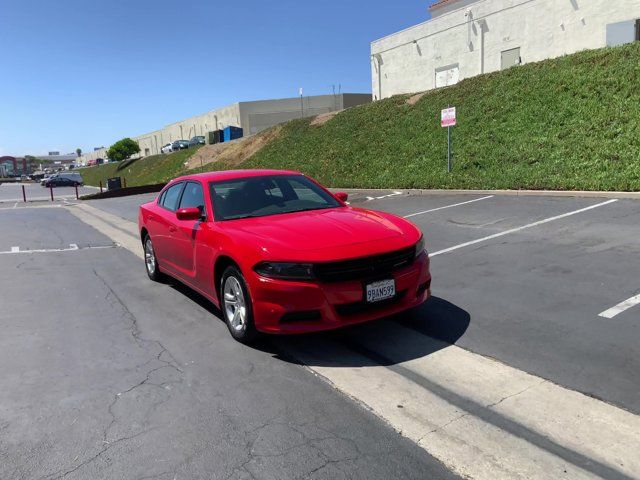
point(150, 260)
point(242, 329)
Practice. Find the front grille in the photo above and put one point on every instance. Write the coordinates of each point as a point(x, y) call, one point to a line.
point(367, 267)
point(363, 306)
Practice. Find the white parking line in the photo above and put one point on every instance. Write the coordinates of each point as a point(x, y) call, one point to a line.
point(448, 206)
point(621, 307)
point(394, 194)
point(72, 248)
point(518, 229)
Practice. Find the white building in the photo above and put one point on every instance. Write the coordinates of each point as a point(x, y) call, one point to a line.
point(465, 38)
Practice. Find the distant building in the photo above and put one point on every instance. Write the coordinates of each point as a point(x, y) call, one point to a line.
point(465, 38)
point(13, 165)
point(57, 158)
point(22, 165)
point(252, 117)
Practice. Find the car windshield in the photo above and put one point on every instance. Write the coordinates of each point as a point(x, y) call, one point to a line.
point(267, 195)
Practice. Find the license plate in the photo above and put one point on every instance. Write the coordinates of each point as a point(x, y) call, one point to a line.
point(381, 290)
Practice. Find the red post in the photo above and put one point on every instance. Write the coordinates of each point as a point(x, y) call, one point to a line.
point(77, 196)
point(125, 181)
point(24, 195)
point(100, 186)
point(51, 190)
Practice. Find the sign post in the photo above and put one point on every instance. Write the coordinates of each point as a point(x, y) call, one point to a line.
point(448, 120)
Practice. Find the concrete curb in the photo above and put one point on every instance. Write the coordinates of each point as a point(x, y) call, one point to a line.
point(515, 193)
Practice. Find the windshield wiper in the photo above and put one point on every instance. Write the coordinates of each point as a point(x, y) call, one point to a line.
point(270, 214)
point(309, 209)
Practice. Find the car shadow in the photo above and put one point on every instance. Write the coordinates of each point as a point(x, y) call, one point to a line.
point(414, 334)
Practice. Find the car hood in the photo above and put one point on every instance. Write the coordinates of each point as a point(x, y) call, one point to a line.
point(318, 235)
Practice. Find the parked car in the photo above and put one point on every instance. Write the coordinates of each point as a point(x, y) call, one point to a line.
point(74, 179)
point(24, 178)
point(168, 148)
point(60, 182)
point(278, 253)
point(197, 140)
point(179, 145)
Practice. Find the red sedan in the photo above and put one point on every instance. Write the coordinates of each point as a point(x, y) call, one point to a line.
point(278, 253)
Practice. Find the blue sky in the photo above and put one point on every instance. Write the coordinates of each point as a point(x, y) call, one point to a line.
point(80, 73)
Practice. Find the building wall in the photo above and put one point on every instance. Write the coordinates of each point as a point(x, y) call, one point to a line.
point(260, 115)
point(471, 35)
point(253, 117)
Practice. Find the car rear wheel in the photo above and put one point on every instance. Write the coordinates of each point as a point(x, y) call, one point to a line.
point(236, 306)
point(150, 260)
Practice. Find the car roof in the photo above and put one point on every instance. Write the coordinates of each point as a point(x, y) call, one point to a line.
point(233, 174)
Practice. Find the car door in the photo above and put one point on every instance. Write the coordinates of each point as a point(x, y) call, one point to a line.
point(187, 234)
point(163, 225)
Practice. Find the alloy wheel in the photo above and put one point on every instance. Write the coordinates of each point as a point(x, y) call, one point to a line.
point(234, 304)
point(149, 257)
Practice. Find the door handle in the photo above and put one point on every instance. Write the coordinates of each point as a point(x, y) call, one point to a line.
point(173, 229)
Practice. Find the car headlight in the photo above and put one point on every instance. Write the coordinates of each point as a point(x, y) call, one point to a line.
point(420, 246)
point(285, 271)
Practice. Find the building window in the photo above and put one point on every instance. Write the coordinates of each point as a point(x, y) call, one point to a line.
point(449, 75)
point(510, 58)
point(622, 33)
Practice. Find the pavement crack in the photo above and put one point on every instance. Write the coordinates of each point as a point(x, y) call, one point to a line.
point(516, 394)
point(135, 329)
point(491, 405)
point(160, 354)
point(93, 458)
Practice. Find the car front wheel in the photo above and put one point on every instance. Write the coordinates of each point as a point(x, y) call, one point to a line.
point(236, 306)
point(150, 260)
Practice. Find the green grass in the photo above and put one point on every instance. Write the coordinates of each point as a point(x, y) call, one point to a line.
point(571, 123)
point(568, 123)
point(143, 171)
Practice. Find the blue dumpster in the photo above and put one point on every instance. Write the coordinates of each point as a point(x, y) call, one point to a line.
point(232, 133)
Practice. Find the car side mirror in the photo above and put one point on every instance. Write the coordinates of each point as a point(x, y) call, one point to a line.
point(342, 196)
point(191, 213)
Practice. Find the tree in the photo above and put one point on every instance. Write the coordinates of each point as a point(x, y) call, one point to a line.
point(122, 149)
point(78, 151)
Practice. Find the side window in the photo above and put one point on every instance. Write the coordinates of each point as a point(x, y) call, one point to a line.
point(193, 196)
point(172, 196)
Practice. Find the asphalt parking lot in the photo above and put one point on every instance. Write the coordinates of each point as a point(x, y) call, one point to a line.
point(112, 376)
point(108, 375)
point(12, 192)
point(534, 295)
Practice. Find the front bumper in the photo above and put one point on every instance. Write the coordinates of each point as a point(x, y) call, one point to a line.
point(288, 307)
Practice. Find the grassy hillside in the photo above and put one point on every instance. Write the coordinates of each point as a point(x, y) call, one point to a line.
point(568, 123)
point(142, 171)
